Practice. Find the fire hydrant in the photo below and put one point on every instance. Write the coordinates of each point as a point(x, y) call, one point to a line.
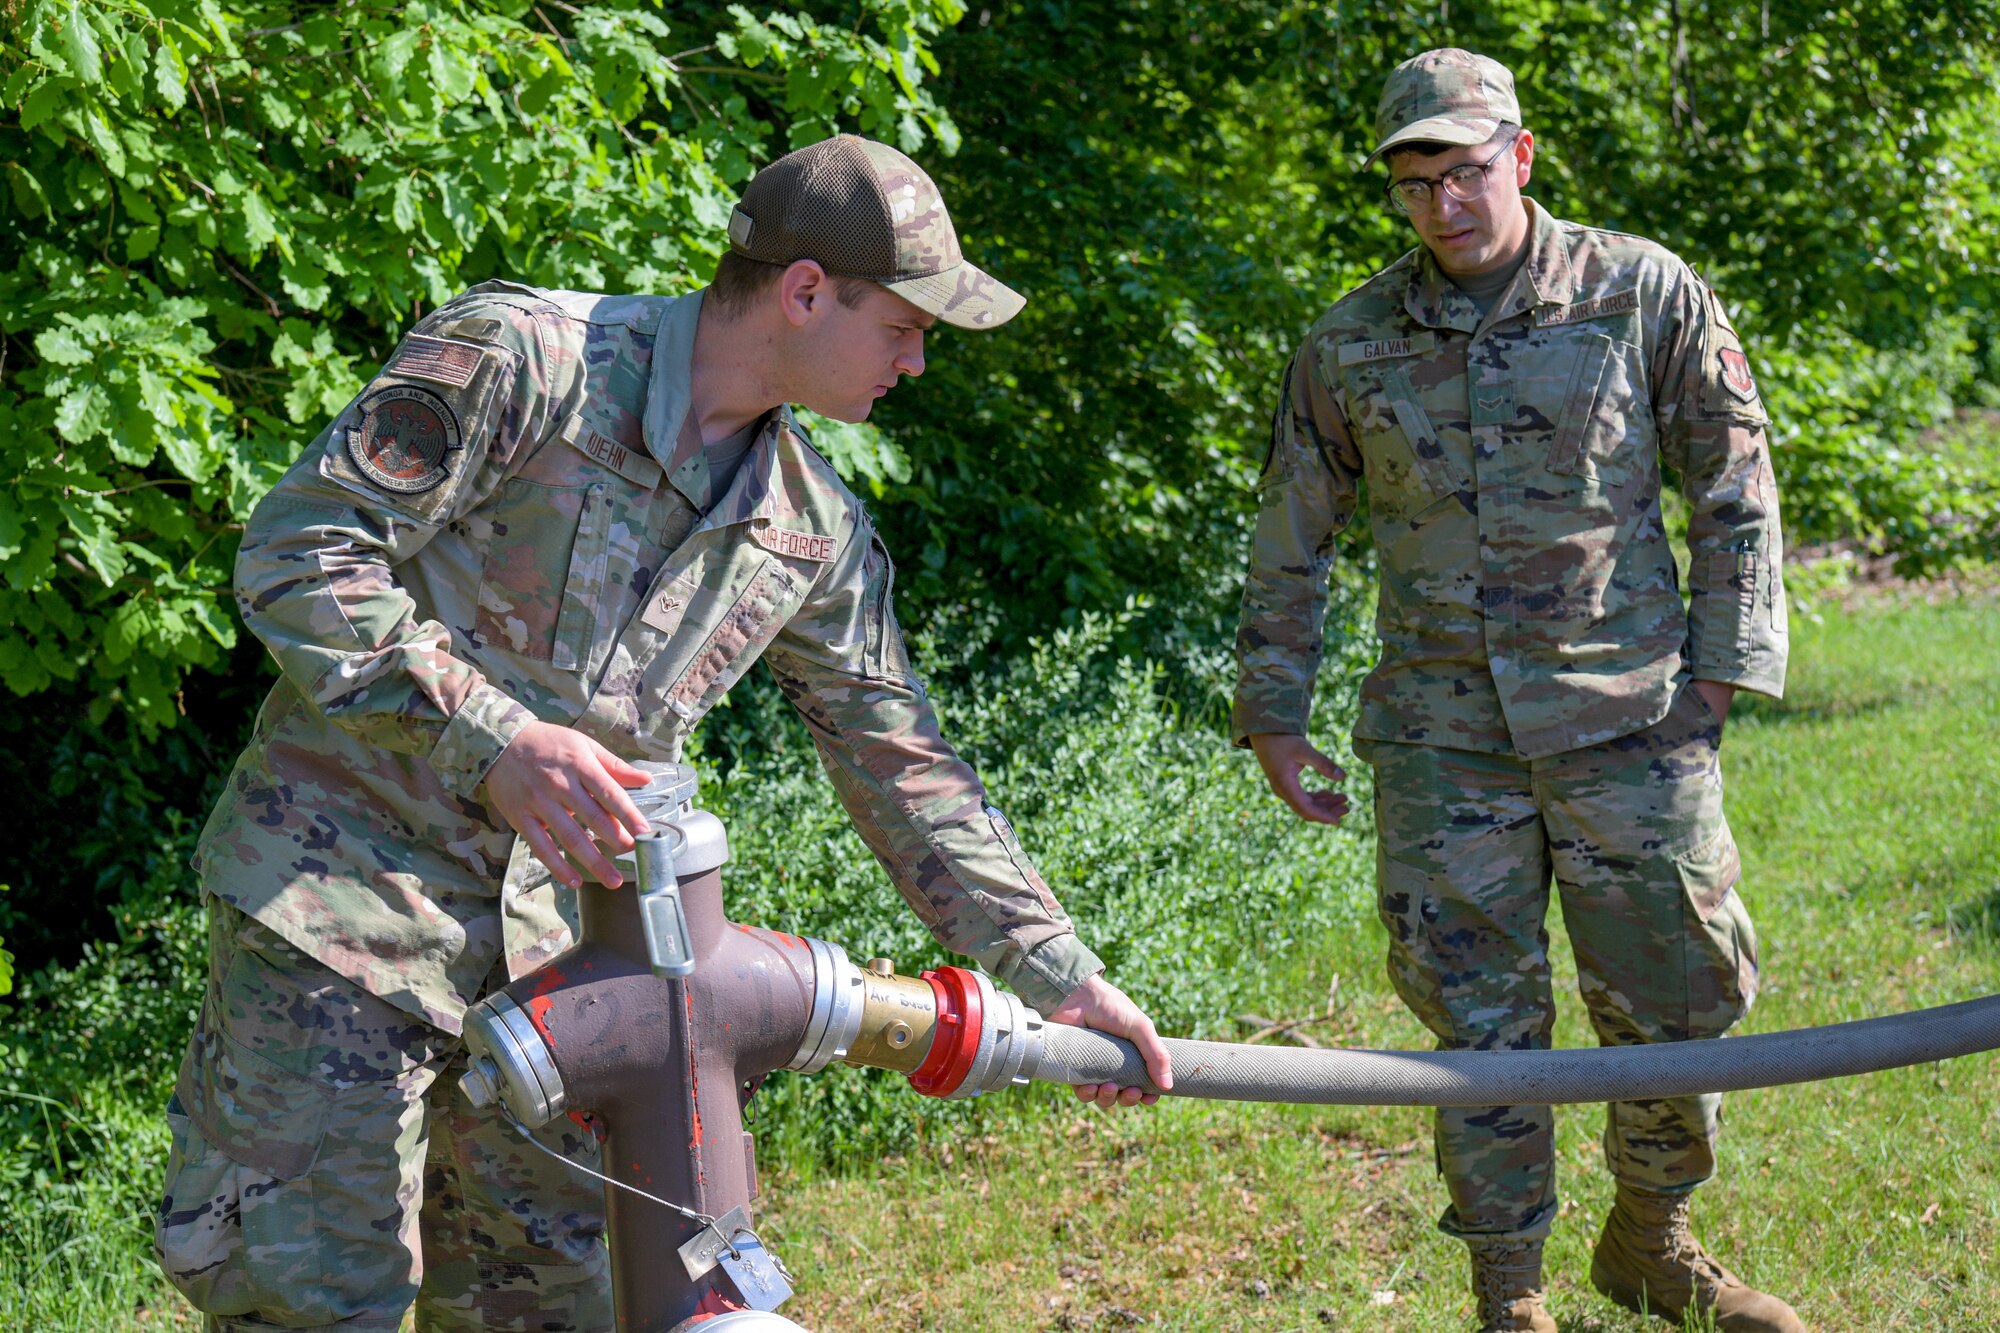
point(659, 1024)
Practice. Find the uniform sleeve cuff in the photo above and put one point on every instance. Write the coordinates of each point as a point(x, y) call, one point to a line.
point(1054, 968)
point(484, 725)
point(1770, 684)
point(1249, 719)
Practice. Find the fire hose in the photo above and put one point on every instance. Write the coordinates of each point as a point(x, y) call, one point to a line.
point(664, 1018)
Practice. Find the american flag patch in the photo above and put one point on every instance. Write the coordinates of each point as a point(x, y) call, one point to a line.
point(437, 359)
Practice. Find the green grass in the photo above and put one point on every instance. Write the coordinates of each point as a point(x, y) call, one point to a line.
point(1865, 803)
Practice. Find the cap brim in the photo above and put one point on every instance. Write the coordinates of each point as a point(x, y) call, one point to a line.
point(1438, 129)
point(965, 297)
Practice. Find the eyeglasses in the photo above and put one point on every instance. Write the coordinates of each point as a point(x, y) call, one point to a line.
point(1412, 194)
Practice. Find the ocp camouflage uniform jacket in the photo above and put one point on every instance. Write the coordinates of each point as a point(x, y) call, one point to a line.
point(1529, 602)
point(486, 537)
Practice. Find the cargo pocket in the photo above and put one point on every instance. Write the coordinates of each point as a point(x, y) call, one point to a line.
point(1426, 450)
point(1408, 910)
point(237, 1228)
point(1719, 943)
point(1011, 841)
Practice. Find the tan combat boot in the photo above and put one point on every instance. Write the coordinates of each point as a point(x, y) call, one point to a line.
point(1507, 1280)
point(1649, 1262)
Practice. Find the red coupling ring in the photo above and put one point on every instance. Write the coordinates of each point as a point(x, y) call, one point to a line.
point(956, 1041)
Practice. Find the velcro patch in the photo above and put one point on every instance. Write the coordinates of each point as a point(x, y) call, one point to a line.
point(635, 467)
point(436, 359)
point(665, 608)
point(1379, 349)
point(1736, 375)
point(1595, 308)
point(798, 545)
point(405, 440)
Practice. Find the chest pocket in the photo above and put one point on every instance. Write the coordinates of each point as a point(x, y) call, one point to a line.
point(718, 605)
point(1409, 468)
point(557, 558)
point(1604, 418)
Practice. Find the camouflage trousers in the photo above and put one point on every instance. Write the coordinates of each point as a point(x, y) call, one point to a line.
point(1633, 835)
point(326, 1174)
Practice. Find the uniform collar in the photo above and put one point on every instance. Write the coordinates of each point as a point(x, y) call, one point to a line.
point(769, 484)
point(1435, 301)
point(774, 485)
point(671, 392)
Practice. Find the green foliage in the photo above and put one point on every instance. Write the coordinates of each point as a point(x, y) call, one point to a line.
point(222, 217)
point(1868, 449)
point(1162, 841)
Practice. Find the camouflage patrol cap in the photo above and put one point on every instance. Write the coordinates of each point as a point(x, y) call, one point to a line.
point(860, 209)
point(1446, 96)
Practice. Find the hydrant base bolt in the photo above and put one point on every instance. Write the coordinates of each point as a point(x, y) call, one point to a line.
point(881, 967)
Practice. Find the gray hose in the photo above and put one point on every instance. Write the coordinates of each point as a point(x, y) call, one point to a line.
point(1231, 1072)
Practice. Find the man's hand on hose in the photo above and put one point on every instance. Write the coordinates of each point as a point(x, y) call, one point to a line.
point(558, 788)
point(1099, 1005)
point(1283, 758)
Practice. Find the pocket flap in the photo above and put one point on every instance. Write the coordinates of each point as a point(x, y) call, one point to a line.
point(255, 1112)
point(1709, 872)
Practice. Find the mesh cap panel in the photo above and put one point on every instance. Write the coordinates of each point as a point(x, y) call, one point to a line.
point(821, 203)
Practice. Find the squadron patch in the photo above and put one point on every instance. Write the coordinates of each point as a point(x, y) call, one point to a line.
point(1736, 373)
point(405, 440)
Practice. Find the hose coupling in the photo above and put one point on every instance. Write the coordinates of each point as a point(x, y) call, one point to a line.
point(950, 1030)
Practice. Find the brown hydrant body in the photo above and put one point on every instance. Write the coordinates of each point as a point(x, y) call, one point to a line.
point(660, 1021)
point(661, 1065)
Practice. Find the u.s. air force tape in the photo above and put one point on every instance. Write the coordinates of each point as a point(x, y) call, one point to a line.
point(406, 439)
point(800, 545)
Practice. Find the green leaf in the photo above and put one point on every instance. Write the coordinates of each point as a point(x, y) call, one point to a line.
point(17, 84)
point(403, 205)
point(104, 139)
point(42, 104)
point(260, 224)
point(221, 626)
point(305, 283)
point(394, 53)
point(79, 46)
point(452, 71)
point(170, 73)
point(141, 242)
point(97, 539)
point(84, 413)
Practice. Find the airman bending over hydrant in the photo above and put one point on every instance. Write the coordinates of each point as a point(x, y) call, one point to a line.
point(546, 538)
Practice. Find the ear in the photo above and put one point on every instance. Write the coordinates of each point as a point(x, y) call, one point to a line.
point(1524, 159)
point(803, 290)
